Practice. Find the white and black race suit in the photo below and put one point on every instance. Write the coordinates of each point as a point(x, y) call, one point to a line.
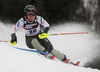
point(32, 30)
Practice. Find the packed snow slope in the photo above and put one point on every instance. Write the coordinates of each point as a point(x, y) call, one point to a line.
point(76, 47)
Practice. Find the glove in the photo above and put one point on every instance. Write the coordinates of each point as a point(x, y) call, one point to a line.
point(43, 35)
point(13, 39)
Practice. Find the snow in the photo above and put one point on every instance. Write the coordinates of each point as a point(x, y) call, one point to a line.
point(76, 47)
point(13, 60)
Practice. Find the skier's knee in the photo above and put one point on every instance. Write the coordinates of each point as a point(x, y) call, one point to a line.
point(64, 58)
point(58, 54)
point(36, 45)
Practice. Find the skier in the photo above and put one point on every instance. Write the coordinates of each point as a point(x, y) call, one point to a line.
point(31, 24)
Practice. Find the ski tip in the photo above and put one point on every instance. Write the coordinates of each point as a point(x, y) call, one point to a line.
point(77, 64)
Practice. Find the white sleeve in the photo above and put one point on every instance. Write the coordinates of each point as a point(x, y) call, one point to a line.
point(18, 25)
point(42, 22)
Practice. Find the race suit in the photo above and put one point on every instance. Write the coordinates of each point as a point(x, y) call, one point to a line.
point(32, 30)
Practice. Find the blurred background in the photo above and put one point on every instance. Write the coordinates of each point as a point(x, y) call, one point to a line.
point(54, 11)
point(85, 12)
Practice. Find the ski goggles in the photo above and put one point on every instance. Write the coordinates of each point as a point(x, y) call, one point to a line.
point(30, 13)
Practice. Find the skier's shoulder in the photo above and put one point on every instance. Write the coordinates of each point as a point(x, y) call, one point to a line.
point(20, 22)
point(21, 19)
point(38, 17)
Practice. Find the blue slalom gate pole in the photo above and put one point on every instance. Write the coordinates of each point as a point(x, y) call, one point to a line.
point(31, 50)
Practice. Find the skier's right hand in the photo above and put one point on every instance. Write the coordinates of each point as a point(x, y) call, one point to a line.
point(13, 39)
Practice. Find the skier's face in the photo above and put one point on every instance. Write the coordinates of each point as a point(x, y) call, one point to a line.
point(30, 16)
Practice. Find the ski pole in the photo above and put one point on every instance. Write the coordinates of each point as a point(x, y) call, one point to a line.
point(69, 33)
point(44, 35)
point(14, 43)
point(4, 41)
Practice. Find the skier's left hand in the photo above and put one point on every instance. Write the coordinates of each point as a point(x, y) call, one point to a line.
point(43, 35)
point(13, 40)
